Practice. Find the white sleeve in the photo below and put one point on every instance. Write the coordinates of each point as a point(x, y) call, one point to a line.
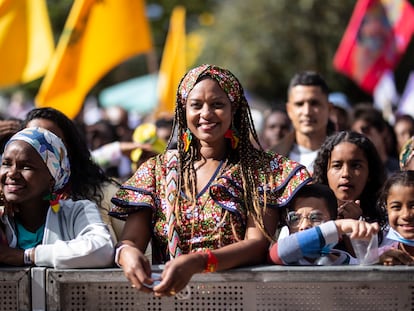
point(91, 247)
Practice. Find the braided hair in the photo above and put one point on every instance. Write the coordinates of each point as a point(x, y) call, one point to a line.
point(251, 159)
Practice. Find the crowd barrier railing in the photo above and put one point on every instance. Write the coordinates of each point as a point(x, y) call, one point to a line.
point(15, 293)
point(255, 288)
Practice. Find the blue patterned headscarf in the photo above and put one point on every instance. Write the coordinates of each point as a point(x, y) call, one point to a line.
point(51, 149)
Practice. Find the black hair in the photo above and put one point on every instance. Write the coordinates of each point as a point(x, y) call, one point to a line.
point(405, 117)
point(309, 78)
point(370, 115)
point(376, 171)
point(86, 177)
point(403, 178)
point(319, 191)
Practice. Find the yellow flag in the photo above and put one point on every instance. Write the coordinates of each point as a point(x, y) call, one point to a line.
point(173, 65)
point(97, 36)
point(26, 41)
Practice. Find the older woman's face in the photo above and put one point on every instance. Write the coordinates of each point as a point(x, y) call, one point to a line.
point(208, 112)
point(24, 177)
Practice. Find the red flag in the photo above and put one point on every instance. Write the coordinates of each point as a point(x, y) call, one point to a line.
point(376, 37)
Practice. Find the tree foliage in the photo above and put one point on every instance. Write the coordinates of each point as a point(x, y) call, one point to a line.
point(266, 41)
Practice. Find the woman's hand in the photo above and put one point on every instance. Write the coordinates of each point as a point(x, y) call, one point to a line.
point(394, 256)
point(135, 237)
point(349, 209)
point(178, 273)
point(136, 266)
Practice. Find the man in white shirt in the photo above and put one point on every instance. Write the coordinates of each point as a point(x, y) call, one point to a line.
point(308, 108)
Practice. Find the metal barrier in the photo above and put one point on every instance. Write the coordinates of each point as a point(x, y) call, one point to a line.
point(259, 288)
point(15, 289)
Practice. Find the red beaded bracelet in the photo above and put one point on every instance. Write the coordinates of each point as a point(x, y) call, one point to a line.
point(211, 264)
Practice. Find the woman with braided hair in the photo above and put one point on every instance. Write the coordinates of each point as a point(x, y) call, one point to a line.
point(211, 204)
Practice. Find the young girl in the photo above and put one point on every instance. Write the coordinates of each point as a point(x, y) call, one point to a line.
point(397, 197)
point(349, 164)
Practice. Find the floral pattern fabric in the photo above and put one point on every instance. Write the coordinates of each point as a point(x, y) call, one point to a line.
point(227, 81)
point(219, 216)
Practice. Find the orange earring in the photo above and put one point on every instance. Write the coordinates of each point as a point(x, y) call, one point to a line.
point(234, 139)
point(186, 138)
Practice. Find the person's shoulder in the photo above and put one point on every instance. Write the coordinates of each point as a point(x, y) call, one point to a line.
point(153, 162)
point(70, 204)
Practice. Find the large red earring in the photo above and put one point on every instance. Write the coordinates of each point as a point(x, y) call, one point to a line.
point(186, 138)
point(234, 139)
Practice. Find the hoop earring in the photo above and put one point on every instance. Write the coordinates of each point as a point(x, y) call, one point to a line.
point(231, 134)
point(187, 138)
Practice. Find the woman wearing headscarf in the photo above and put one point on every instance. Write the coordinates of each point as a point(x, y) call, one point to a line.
point(211, 204)
point(46, 228)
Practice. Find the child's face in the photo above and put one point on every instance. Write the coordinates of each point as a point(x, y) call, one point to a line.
point(347, 171)
point(400, 209)
point(307, 213)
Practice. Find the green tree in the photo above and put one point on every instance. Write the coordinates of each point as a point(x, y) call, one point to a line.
point(266, 41)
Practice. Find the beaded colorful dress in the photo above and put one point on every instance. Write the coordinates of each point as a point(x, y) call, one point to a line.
point(218, 217)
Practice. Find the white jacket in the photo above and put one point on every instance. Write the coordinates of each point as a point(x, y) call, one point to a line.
point(74, 237)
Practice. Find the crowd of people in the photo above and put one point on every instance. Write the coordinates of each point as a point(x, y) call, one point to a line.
point(207, 190)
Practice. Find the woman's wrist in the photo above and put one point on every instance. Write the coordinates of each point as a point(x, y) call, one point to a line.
point(28, 256)
point(209, 261)
point(118, 249)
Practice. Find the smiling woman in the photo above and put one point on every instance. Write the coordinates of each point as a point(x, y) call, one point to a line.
point(211, 204)
point(43, 227)
point(208, 113)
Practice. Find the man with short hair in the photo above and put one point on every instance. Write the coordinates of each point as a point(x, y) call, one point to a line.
point(308, 108)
